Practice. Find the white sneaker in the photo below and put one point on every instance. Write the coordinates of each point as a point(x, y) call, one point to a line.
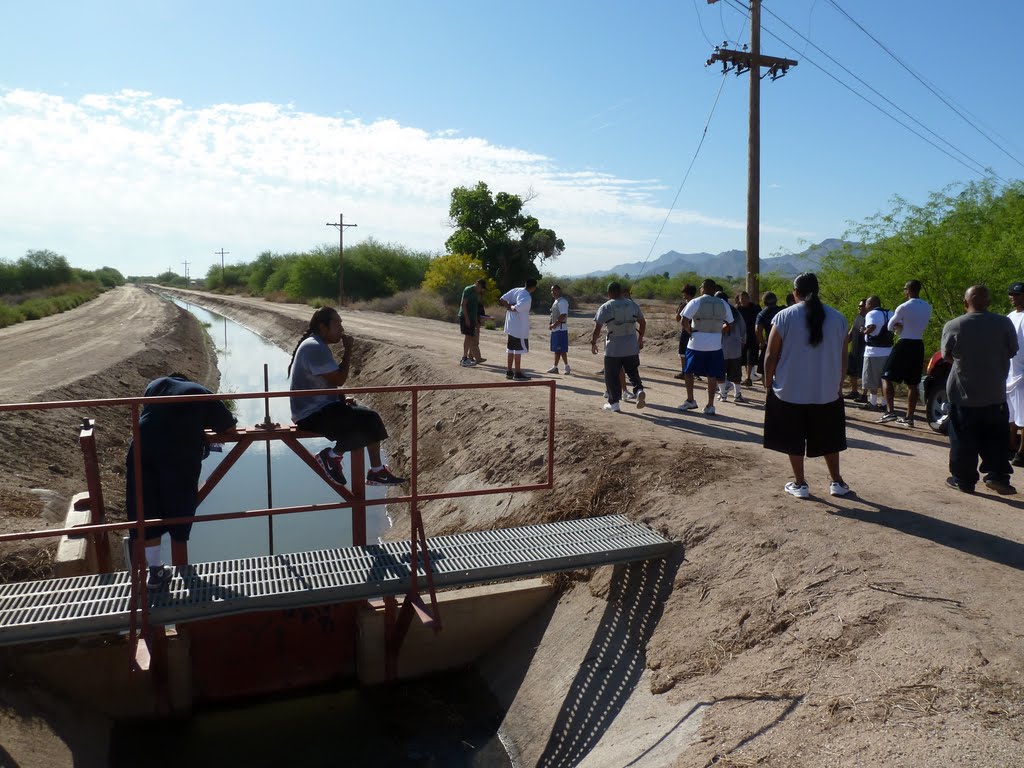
point(614, 407)
point(629, 397)
point(568, 369)
point(641, 398)
point(552, 369)
point(800, 491)
point(709, 410)
point(723, 397)
point(467, 363)
point(689, 405)
point(838, 489)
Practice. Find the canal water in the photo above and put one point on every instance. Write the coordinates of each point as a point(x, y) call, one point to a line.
point(241, 355)
point(449, 720)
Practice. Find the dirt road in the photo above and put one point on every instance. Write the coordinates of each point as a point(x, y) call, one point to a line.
point(879, 629)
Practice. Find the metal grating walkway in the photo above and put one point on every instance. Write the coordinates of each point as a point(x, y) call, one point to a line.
point(88, 605)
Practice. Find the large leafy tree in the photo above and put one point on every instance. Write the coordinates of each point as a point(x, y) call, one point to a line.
point(496, 231)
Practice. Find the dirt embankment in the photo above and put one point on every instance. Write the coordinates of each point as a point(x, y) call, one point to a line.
point(879, 629)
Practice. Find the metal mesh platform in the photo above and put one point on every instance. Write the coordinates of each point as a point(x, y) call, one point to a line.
point(87, 605)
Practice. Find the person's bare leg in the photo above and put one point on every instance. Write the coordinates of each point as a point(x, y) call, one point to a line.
point(911, 402)
point(796, 461)
point(373, 451)
point(519, 362)
point(889, 393)
point(712, 388)
point(832, 462)
point(509, 358)
point(689, 387)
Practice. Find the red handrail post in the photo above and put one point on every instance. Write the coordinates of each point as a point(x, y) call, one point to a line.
point(97, 509)
point(357, 465)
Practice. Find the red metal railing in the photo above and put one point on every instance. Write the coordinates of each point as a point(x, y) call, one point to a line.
point(141, 633)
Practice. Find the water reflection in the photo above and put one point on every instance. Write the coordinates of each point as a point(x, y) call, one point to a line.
point(241, 359)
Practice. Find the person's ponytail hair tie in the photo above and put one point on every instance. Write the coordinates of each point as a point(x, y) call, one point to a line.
point(806, 285)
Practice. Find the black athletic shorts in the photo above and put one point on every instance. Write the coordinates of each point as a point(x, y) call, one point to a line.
point(684, 342)
point(465, 329)
point(797, 429)
point(906, 362)
point(515, 344)
point(168, 491)
point(352, 427)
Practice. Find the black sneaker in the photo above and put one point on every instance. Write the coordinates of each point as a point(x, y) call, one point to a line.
point(1018, 460)
point(520, 376)
point(383, 476)
point(159, 577)
point(331, 465)
point(953, 483)
point(508, 375)
point(1002, 487)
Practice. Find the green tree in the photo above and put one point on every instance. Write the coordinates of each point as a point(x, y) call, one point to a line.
point(448, 275)
point(495, 230)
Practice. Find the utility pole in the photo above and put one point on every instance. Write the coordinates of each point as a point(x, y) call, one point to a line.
point(341, 254)
point(186, 273)
point(742, 61)
point(222, 252)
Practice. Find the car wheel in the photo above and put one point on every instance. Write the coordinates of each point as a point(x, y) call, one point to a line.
point(937, 410)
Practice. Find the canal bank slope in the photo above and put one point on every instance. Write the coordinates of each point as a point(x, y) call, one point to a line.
point(879, 629)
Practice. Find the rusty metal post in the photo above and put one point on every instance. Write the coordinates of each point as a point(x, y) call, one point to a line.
point(97, 509)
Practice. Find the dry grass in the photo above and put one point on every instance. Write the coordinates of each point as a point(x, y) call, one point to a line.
point(26, 564)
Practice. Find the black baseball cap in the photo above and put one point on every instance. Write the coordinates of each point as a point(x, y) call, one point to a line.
point(1016, 288)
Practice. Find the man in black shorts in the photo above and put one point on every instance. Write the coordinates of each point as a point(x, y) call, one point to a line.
point(469, 321)
point(907, 358)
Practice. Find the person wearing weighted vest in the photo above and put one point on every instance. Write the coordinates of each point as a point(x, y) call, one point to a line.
point(706, 318)
point(877, 346)
point(625, 326)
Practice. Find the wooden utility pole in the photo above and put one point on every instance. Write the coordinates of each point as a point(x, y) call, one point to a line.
point(742, 61)
point(186, 273)
point(223, 284)
point(341, 254)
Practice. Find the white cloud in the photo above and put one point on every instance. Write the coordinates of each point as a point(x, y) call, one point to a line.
point(139, 182)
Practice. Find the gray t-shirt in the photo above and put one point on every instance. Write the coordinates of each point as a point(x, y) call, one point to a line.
point(981, 345)
point(732, 342)
point(807, 374)
point(313, 358)
point(620, 318)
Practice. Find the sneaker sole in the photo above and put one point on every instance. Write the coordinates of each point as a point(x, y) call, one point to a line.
point(641, 400)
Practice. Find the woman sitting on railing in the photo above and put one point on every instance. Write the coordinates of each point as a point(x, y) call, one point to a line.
point(352, 427)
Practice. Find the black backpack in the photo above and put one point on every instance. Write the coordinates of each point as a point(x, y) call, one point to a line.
point(885, 337)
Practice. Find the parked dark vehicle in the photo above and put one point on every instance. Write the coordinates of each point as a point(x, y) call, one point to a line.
point(932, 390)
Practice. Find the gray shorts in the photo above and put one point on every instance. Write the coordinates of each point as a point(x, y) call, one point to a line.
point(871, 378)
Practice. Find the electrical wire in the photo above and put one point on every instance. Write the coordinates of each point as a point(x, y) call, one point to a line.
point(924, 82)
point(980, 166)
point(701, 24)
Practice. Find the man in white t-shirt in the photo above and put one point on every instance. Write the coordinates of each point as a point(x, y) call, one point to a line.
point(907, 359)
point(1015, 378)
point(517, 303)
point(706, 318)
point(877, 346)
point(559, 329)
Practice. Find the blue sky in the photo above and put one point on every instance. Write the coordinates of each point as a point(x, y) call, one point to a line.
point(139, 135)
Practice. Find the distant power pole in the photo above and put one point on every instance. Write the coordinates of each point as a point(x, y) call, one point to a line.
point(221, 252)
point(742, 61)
point(341, 254)
point(186, 273)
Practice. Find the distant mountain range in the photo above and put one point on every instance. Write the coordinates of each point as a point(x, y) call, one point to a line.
point(727, 263)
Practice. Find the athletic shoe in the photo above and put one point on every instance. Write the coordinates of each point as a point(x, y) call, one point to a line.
point(508, 374)
point(552, 369)
point(953, 483)
point(599, 373)
point(383, 476)
point(641, 399)
point(709, 410)
point(723, 397)
point(740, 399)
point(1018, 460)
point(568, 369)
point(852, 396)
point(629, 397)
point(838, 489)
point(908, 420)
point(159, 577)
point(758, 376)
point(481, 360)
point(747, 382)
point(1002, 487)
point(520, 376)
point(689, 405)
point(861, 399)
point(679, 375)
point(887, 417)
point(467, 363)
point(800, 491)
point(331, 465)
point(614, 407)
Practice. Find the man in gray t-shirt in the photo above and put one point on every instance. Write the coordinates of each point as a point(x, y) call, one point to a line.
point(625, 326)
point(979, 344)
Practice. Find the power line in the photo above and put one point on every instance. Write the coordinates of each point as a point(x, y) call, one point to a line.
point(701, 24)
point(925, 83)
point(693, 160)
point(980, 166)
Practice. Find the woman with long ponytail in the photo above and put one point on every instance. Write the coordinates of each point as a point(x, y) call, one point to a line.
point(804, 366)
point(352, 427)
